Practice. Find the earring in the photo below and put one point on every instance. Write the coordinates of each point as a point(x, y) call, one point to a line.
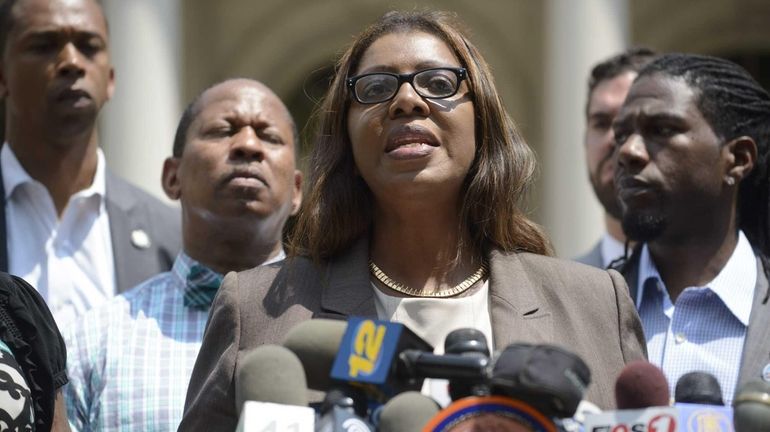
point(730, 181)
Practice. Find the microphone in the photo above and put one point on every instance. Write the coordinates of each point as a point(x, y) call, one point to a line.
point(316, 342)
point(341, 411)
point(752, 407)
point(641, 384)
point(643, 398)
point(548, 378)
point(270, 391)
point(386, 358)
point(700, 388)
point(471, 343)
point(408, 411)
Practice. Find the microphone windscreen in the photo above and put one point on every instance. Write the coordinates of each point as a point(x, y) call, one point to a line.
point(316, 342)
point(549, 378)
point(641, 384)
point(698, 388)
point(270, 373)
point(408, 411)
point(751, 407)
point(466, 340)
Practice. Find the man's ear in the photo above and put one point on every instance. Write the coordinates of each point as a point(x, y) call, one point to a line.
point(742, 153)
point(296, 200)
point(111, 84)
point(170, 178)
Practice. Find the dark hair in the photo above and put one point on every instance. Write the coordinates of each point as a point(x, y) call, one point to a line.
point(188, 115)
point(630, 60)
point(734, 105)
point(337, 209)
point(6, 20)
point(193, 109)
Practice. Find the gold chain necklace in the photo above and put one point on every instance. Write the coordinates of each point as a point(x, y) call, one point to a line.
point(449, 292)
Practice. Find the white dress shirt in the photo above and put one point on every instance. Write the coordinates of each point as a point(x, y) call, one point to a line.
point(705, 329)
point(68, 260)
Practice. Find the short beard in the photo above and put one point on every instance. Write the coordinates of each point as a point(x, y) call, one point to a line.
point(643, 227)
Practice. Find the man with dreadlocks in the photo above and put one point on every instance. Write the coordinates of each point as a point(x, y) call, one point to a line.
point(692, 175)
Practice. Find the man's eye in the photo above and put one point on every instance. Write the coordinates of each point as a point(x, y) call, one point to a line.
point(620, 137)
point(218, 131)
point(664, 131)
point(271, 138)
point(89, 48)
point(42, 46)
point(601, 124)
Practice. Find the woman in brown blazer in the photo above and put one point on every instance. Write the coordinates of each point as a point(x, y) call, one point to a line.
point(412, 214)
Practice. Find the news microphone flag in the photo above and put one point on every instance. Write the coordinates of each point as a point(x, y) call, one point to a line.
point(679, 418)
point(368, 354)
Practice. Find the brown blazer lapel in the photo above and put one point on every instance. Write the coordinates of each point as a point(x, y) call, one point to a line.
point(517, 312)
point(345, 283)
point(756, 347)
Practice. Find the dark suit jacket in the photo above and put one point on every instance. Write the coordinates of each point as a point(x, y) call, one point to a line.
point(756, 347)
point(129, 209)
point(532, 299)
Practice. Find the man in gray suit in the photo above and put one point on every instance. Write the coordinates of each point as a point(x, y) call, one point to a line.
point(607, 88)
point(693, 141)
point(70, 228)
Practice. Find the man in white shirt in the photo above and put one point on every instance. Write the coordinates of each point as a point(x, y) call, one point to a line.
point(693, 142)
point(607, 89)
point(70, 228)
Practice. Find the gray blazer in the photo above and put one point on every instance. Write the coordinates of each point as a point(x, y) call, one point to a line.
point(532, 299)
point(130, 209)
point(756, 346)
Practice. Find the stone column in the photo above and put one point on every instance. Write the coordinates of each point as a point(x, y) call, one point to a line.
point(138, 124)
point(577, 34)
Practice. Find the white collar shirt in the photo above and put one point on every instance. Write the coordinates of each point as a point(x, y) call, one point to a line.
point(705, 329)
point(69, 260)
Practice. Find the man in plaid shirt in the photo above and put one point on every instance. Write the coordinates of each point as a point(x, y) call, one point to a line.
point(233, 170)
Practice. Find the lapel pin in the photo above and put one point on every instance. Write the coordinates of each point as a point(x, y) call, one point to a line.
point(140, 239)
point(766, 373)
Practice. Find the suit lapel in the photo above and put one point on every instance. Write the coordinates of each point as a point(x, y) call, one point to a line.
point(120, 204)
point(756, 347)
point(517, 312)
point(345, 283)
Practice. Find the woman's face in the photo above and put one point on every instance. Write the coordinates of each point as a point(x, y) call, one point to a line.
point(411, 144)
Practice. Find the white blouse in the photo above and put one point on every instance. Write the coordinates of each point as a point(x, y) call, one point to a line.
point(433, 318)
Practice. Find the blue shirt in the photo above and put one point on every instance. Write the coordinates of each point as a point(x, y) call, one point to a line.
point(705, 329)
point(130, 360)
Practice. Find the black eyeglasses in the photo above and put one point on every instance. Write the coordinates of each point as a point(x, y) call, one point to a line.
point(434, 83)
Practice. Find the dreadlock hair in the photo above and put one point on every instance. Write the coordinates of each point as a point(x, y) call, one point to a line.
point(630, 60)
point(735, 105)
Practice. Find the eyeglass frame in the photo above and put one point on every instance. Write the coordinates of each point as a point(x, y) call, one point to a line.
point(460, 72)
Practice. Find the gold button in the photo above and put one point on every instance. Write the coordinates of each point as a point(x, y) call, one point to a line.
point(679, 338)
